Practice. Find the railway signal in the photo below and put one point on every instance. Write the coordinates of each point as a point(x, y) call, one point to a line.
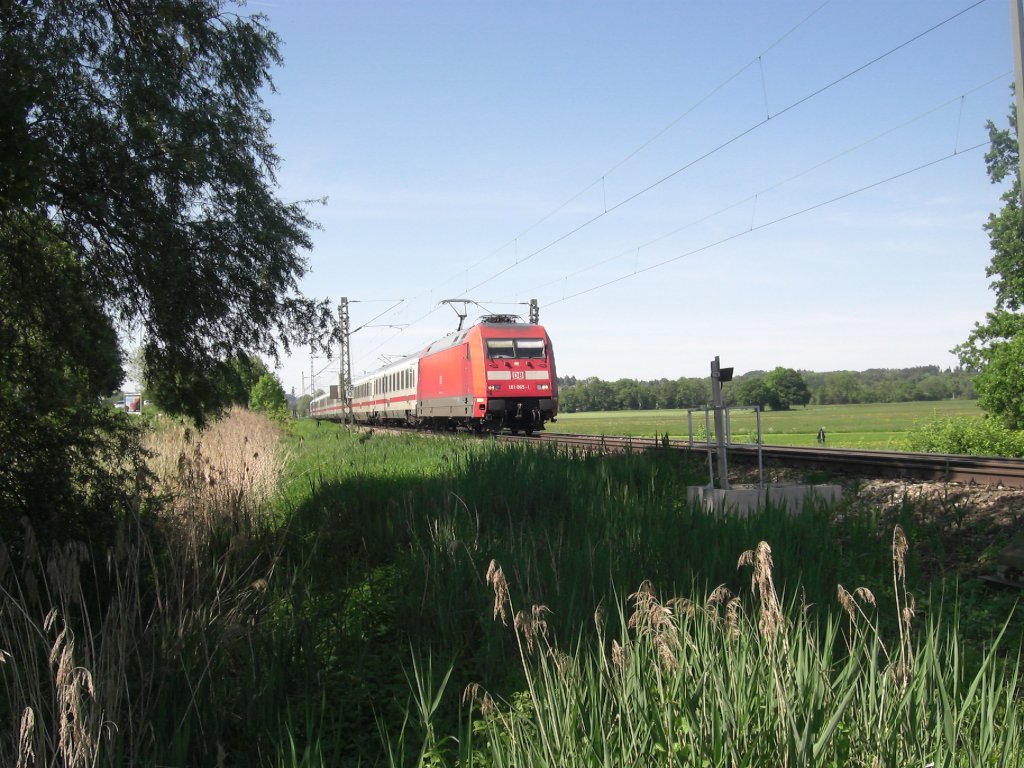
point(719, 376)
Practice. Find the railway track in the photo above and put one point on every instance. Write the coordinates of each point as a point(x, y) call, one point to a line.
point(982, 470)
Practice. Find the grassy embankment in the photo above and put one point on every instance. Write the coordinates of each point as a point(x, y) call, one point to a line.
point(881, 426)
point(341, 621)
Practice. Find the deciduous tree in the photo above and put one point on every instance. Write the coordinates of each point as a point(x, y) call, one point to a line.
point(137, 189)
point(995, 348)
point(788, 387)
point(753, 391)
point(66, 458)
point(267, 396)
point(137, 127)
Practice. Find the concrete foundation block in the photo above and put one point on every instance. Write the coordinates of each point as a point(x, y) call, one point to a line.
point(745, 500)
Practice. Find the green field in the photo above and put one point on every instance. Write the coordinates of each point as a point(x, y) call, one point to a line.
point(868, 426)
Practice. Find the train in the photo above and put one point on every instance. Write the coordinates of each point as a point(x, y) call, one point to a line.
point(498, 374)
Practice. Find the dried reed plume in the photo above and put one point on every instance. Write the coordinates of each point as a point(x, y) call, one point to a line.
point(653, 621)
point(563, 663)
point(496, 581)
point(905, 605)
point(478, 694)
point(763, 586)
point(26, 739)
point(719, 597)
point(620, 655)
point(899, 554)
point(222, 474)
point(847, 602)
point(68, 653)
point(682, 606)
point(864, 594)
point(77, 724)
point(532, 626)
point(732, 617)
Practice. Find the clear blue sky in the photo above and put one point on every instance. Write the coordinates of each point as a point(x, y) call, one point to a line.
point(500, 151)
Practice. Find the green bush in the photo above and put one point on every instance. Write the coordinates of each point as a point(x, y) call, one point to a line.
point(972, 437)
point(267, 396)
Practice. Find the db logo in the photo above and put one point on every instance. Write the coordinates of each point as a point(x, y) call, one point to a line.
point(518, 375)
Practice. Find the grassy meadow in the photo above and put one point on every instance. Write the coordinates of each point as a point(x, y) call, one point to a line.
point(449, 602)
point(870, 426)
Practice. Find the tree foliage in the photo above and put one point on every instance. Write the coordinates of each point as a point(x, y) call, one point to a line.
point(788, 388)
point(137, 191)
point(753, 388)
point(972, 437)
point(66, 458)
point(995, 348)
point(138, 128)
point(267, 396)
point(224, 382)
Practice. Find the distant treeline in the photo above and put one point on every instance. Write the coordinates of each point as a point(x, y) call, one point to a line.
point(779, 389)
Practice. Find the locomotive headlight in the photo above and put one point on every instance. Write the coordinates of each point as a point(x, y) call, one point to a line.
point(543, 386)
point(493, 387)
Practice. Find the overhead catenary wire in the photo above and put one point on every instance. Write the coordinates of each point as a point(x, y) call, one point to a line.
point(514, 241)
point(606, 209)
point(635, 250)
point(773, 222)
point(378, 316)
point(728, 142)
point(750, 230)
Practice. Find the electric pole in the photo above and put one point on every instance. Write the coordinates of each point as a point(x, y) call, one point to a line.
point(345, 375)
point(1017, 33)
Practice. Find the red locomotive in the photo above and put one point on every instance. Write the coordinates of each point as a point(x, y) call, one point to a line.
point(497, 374)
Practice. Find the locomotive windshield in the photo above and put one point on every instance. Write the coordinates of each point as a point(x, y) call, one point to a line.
point(523, 349)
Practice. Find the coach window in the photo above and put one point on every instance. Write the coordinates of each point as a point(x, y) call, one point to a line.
point(530, 348)
point(500, 348)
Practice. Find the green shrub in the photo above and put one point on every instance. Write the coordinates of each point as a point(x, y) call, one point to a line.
point(973, 437)
point(267, 396)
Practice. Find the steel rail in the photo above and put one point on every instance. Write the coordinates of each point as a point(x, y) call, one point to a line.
point(983, 470)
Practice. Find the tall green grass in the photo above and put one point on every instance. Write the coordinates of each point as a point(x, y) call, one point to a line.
point(338, 616)
point(737, 682)
point(572, 532)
